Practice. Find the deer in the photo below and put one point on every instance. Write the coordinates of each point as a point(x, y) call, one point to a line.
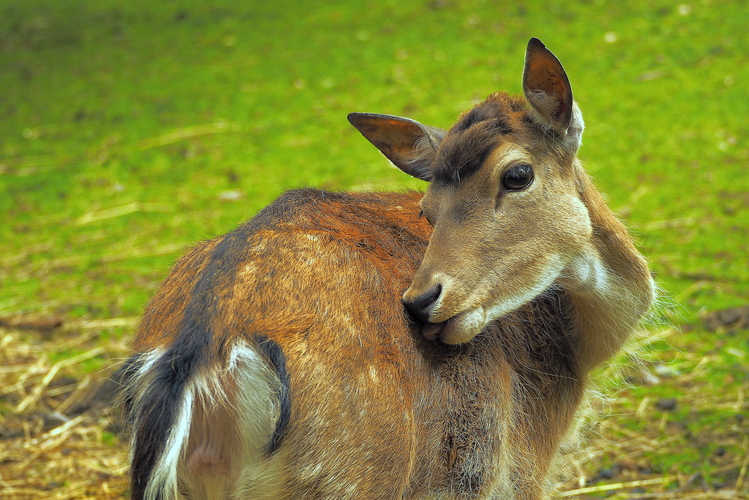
point(344, 345)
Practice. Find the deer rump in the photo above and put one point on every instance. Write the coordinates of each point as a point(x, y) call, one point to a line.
point(277, 362)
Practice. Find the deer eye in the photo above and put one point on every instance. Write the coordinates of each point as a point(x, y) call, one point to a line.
point(517, 177)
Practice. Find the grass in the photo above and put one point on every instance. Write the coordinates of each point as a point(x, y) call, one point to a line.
point(130, 130)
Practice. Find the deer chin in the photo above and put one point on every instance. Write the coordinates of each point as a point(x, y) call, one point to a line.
point(459, 329)
point(464, 326)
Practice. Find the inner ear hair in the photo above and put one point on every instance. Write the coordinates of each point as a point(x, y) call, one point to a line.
point(546, 104)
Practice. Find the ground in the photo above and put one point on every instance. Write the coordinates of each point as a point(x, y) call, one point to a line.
point(130, 130)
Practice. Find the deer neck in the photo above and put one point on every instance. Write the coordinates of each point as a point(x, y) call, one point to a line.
point(608, 284)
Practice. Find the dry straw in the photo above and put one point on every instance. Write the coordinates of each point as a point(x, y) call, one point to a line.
point(58, 441)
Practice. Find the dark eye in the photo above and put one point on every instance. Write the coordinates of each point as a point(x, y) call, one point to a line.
point(517, 177)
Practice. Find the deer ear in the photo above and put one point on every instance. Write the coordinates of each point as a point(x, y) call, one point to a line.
point(547, 87)
point(410, 145)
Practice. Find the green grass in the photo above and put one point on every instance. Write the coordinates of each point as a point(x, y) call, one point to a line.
point(129, 130)
point(704, 435)
point(260, 93)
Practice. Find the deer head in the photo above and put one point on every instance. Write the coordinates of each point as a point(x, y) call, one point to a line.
point(503, 200)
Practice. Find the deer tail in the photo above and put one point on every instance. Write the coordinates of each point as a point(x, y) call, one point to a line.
point(197, 422)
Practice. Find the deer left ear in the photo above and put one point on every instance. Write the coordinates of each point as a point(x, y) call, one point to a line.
point(410, 145)
point(547, 89)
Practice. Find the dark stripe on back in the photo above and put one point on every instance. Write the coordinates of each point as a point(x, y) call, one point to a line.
point(275, 357)
point(193, 345)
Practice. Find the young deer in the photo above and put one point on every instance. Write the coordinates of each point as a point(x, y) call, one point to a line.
point(277, 361)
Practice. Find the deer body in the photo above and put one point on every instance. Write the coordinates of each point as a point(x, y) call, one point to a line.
point(277, 362)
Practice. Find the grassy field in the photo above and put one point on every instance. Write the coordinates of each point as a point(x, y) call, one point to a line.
point(130, 130)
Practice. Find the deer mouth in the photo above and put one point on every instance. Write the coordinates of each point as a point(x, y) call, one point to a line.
point(430, 331)
point(458, 329)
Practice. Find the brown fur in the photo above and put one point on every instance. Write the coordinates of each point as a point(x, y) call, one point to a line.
point(398, 413)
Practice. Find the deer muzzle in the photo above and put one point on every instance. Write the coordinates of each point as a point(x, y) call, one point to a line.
point(421, 306)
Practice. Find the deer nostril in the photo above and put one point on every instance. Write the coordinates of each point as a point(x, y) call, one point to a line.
point(421, 307)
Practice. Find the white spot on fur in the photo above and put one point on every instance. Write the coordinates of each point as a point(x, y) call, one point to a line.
point(150, 358)
point(586, 271)
point(352, 488)
point(310, 472)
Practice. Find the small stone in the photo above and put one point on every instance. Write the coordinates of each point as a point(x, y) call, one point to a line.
point(664, 370)
point(606, 474)
point(666, 404)
point(230, 195)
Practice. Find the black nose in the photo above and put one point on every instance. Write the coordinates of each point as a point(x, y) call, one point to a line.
point(421, 307)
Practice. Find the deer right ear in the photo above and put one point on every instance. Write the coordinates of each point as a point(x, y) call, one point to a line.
point(547, 87)
point(410, 145)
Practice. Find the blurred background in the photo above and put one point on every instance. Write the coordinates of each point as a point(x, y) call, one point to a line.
point(130, 130)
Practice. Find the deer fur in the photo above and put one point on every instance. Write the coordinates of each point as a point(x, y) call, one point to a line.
point(278, 361)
